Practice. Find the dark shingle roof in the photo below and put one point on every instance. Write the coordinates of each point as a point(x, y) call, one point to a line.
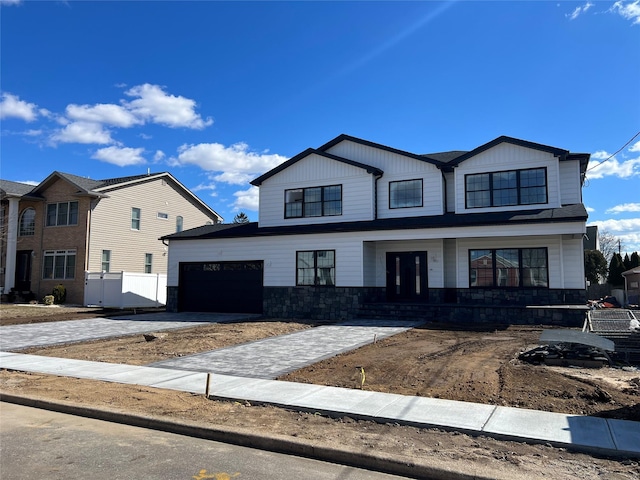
point(14, 189)
point(569, 213)
point(445, 157)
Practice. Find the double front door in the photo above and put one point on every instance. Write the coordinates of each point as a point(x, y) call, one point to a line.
point(407, 276)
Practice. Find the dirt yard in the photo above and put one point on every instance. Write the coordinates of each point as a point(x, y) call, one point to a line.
point(460, 364)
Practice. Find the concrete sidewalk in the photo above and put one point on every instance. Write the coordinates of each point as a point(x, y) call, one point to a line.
point(582, 433)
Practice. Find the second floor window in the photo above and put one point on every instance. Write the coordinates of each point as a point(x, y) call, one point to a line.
point(407, 193)
point(63, 213)
point(513, 187)
point(135, 218)
point(27, 223)
point(179, 223)
point(313, 202)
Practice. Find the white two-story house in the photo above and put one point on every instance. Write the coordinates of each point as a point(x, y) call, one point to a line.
point(481, 235)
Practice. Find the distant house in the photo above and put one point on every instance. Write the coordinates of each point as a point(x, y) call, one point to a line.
point(52, 233)
point(632, 285)
point(354, 223)
point(591, 240)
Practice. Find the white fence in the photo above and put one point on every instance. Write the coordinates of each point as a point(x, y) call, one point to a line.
point(125, 289)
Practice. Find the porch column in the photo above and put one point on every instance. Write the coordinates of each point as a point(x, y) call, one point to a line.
point(12, 242)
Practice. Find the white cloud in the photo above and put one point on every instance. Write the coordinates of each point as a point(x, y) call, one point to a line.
point(12, 106)
point(612, 167)
point(157, 106)
point(625, 207)
point(159, 155)
point(579, 11)
point(627, 230)
point(29, 182)
point(104, 113)
point(82, 132)
point(121, 156)
point(32, 133)
point(235, 163)
point(589, 209)
point(234, 178)
point(246, 199)
point(628, 10)
point(635, 147)
point(10, 2)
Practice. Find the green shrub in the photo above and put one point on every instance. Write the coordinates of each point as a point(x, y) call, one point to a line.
point(59, 294)
point(48, 299)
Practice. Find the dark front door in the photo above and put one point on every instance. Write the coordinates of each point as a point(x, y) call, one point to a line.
point(23, 271)
point(407, 276)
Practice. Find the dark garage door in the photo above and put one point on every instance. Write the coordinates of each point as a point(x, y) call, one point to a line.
point(231, 287)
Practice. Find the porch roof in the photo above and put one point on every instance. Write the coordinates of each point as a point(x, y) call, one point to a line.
point(569, 213)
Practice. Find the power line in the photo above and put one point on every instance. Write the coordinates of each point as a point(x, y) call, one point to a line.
point(614, 154)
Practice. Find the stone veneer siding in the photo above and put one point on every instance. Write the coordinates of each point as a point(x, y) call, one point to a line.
point(490, 306)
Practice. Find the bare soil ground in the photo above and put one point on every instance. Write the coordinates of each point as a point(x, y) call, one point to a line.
point(461, 364)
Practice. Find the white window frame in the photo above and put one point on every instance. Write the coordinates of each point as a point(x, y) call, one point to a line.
point(136, 220)
point(56, 256)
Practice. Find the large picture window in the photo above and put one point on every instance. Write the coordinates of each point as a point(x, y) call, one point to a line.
point(313, 202)
point(64, 213)
point(499, 189)
point(406, 193)
point(509, 267)
point(27, 226)
point(59, 264)
point(316, 268)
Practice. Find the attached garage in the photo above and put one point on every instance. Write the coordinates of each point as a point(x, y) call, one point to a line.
point(229, 287)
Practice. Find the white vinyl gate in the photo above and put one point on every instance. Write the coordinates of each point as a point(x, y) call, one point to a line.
point(125, 289)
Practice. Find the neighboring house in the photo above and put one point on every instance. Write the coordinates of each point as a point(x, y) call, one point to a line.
point(632, 286)
point(55, 231)
point(591, 239)
point(354, 223)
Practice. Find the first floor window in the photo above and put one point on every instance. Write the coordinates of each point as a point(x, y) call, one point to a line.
point(64, 213)
point(148, 260)
point(59, 264)
point(27, 226)
point(407, 193)
point(509, 267)
point(106, 260)
point(316, 267)
point(135, 218)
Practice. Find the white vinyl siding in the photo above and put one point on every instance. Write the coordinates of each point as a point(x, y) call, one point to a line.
point(508, 157)
point(571, 192)
point(111, 225)
point(573, 263)
point(317, 171)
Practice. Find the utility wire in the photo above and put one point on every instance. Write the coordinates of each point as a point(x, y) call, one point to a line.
point(614, 154)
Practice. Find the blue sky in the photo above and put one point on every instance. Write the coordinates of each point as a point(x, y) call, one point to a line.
point(218, 93)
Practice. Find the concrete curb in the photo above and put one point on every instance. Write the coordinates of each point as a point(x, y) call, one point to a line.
point(390, 464)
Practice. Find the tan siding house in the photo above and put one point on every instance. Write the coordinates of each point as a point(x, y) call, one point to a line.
point(66, 225)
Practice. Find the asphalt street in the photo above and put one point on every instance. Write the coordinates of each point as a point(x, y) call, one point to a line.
point(42, 444)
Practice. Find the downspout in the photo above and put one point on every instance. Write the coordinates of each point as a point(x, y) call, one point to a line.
point(375, 196)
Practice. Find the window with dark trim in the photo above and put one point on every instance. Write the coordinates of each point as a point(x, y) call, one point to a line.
point(64, 213)
point(509, 267)
point(27, 227)
point(405, 193)
point(59, 264)
point(313, 202)
point(317, 267)
point(499, 189)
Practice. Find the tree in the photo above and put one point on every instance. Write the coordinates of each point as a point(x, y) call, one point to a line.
point(615, 271)
point(635, 260)
point(609, 244)
point(241, 218)
point(595, 266)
